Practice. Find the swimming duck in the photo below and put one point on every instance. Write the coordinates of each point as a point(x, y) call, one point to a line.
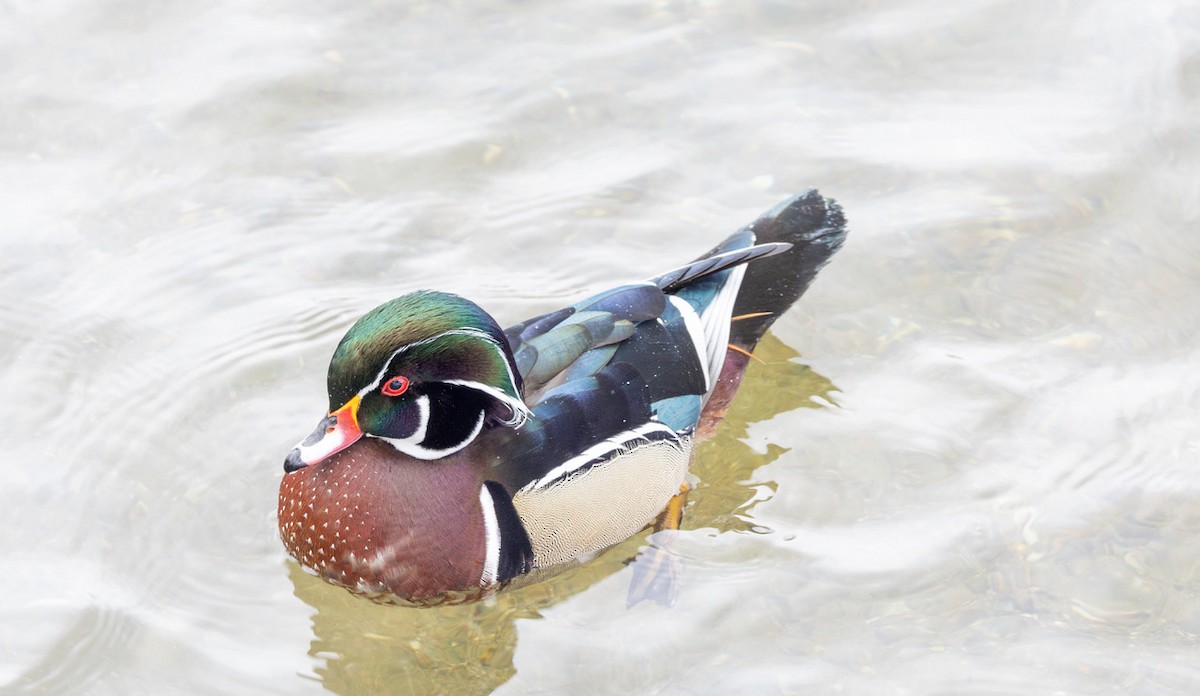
point(457, 456)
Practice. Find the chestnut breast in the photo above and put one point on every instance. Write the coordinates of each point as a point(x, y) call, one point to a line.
point(382, 523)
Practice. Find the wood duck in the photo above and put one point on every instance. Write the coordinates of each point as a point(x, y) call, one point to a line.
point(457, 456)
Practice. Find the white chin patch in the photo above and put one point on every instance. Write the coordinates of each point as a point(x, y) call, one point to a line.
point(326, 446)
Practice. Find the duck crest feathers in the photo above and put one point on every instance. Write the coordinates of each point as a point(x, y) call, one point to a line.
point(432, 324)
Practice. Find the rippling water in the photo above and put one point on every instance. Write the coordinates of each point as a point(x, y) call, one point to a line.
point(967, 464)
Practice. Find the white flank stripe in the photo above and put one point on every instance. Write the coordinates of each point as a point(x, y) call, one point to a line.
point(595, 452)
point(695, 330)
point(491, 538)
point(716, 322)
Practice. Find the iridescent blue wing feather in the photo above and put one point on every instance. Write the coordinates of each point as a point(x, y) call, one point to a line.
point(546, 346)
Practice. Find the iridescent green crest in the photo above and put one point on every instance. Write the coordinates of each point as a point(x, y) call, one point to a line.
point(434, 336)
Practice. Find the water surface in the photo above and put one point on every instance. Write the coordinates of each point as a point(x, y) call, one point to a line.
point(967, 463)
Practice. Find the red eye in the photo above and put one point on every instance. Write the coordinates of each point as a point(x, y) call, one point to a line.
point(395, 386)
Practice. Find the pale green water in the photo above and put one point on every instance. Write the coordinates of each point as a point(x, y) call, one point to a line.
point(981, 477)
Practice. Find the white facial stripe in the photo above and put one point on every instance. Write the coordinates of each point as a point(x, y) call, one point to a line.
point(452, 332)
point(491, 538)
point(412, 445)
point(404, 443)
point(520, 412)
point(423, 423)
point(595, 452)
point(691, 322)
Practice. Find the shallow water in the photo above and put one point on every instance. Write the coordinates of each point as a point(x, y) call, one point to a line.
point(967, 464)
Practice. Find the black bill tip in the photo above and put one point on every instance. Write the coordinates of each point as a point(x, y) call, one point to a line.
point(293, 462)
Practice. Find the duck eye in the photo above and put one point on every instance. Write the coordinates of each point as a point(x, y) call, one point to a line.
point(395, 386)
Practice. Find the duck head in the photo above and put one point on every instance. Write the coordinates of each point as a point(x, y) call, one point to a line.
point(425, 373)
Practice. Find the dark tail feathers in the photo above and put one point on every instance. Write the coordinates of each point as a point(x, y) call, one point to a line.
point(816, 229)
